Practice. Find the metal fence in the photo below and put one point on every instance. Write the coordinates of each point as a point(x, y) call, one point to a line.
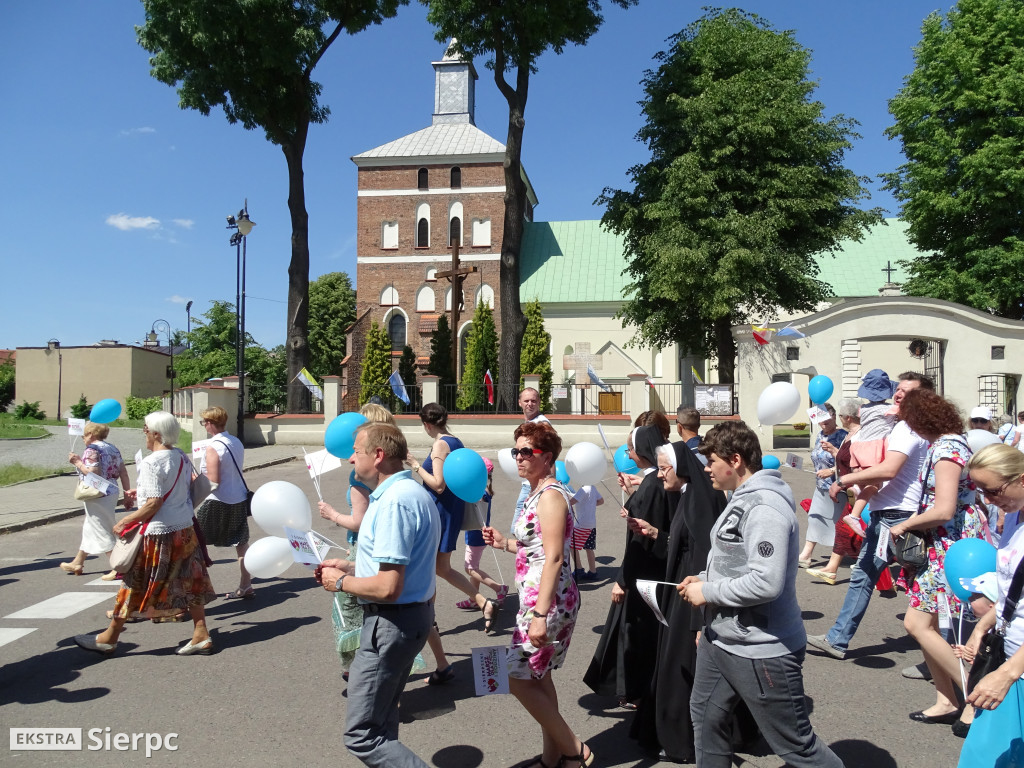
point(384, 396)
point(263, 398)
point(457, 399)
point(708, 399)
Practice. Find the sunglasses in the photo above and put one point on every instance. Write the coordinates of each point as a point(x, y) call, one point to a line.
point(980, 421)
point(526, 453)
point(997, 492)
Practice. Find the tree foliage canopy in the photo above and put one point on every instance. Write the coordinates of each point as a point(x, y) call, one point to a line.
point(481, 356)
point(332, 308)
point(511, 36)
point(373, 381)
point(7, 380)
point(536, 353)
point(744, 186)
point(440, 363)
point(960, 119)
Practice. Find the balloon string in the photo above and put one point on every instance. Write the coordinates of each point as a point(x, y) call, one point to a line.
point(959, 641)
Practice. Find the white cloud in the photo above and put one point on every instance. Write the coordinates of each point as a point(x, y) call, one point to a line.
point(184, 223)
point(137, 131)
point(176, 299)
point(125, 223)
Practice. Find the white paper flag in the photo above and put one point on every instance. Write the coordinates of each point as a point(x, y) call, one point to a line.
point(76, 427)
point(321, 461)
point(794, 461)
point(490, 670)
point(648, 590)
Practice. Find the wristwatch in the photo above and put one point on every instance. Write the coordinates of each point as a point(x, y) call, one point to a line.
point(338, 583)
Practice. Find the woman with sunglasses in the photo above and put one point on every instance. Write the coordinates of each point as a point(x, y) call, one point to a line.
point(998, 727)
point(548, 597)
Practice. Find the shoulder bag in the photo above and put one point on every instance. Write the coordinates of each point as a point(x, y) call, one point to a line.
point(992, 653)
point(911, 549)
point(129, 544)
point(248, 494)
point(86, 492)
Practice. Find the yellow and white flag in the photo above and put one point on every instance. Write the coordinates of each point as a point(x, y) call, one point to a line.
point(307, 378)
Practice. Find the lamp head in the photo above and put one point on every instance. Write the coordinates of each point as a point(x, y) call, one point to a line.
point(244, 223)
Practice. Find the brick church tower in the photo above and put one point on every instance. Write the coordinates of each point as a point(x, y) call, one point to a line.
point(417, 196)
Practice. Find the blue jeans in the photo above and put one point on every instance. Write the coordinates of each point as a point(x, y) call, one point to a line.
point(519, 507)
point(392, 635)
point(862, 579)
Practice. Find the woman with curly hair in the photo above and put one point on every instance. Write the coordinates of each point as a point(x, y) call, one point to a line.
point(548, 597)
point(949, 512)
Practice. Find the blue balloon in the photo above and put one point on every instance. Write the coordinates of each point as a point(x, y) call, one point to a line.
point(561, 473)
point(820, 389)
point(770, 462)
point(967, 559)
point(622, 461)
point(465, 474)
point(340, 436)
point(105, 411)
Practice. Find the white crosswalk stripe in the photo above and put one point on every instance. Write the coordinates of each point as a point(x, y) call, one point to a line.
point(9, 635)
point(61, 606)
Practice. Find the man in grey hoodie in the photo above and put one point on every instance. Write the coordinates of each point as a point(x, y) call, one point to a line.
point(753, 643)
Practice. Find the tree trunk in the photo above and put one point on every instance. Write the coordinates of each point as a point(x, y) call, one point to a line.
point(513, 322)
point(296, 345)
point(725, 350)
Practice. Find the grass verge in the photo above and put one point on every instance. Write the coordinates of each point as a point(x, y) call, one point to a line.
point(18, 473)
point(20, 429)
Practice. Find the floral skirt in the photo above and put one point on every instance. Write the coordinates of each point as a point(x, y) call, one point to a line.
point(168, 577)
point(224, 525)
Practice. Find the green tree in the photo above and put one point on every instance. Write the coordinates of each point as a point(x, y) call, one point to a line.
point(481, 356)
point(513, 36)
point(536, 353)
point(255, 59)
point(958, 118)
point(81, 409)
point(332, 309)
point(440, 363)
point(376, 366)
point(745, 185)
point(407, 370)
point(7, 381)
point(212, 346)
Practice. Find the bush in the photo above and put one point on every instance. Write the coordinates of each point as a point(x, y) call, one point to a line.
point(29, 410)
point(81, 409)
point(137, 408)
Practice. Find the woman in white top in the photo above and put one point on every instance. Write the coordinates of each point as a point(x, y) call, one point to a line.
point(998, 727)
point(168, 575)
point(223, 516)
point(104, 460)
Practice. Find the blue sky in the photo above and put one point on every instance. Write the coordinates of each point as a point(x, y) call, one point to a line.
point(114, 199)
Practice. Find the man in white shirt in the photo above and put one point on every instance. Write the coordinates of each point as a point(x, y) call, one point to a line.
point(897, 500)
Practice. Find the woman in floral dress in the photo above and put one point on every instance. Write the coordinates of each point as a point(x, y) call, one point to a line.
point(548, 598)
point(949, 512)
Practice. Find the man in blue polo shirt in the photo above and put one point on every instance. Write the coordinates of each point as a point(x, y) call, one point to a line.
point(393, 577)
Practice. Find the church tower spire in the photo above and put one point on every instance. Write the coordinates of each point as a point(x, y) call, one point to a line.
point(454, 88)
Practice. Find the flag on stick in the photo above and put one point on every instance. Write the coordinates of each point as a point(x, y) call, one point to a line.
point(489, 384)
point(595, 379)
point(307, 379)
point(398, 387)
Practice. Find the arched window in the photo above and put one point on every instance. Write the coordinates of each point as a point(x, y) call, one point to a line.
point(485, 294)
point(463, 347)
point(389, 297)
point(396, 331)
point(455, 232)
point(448, 300)
point(425, 299)
point(658, 365)
point(421, 179)
point(431, 274)
point(423, 226)
point(456, 178)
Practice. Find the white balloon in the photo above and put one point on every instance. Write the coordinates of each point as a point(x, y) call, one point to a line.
point(508, 463)
point(979, 438)
point(268, 557)
point(777, 403)
point(279, 504)
point(586, 464)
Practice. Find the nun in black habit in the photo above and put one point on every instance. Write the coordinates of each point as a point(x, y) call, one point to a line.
point(662, 723)
point(624, 662)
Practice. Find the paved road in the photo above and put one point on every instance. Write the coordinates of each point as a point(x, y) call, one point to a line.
point(52, 451)
point(273, 695)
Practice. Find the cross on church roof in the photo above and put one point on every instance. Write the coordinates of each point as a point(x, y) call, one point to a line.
point(888, 269)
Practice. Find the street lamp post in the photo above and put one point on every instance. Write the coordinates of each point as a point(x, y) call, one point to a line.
point(188, 323)
point(163, 325)
point(51, 345)
point(242, 225)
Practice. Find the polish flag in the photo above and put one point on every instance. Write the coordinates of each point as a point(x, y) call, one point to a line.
point(489, 383)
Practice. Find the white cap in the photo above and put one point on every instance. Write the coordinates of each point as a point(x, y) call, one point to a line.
point(981, 412)
point(985, 584)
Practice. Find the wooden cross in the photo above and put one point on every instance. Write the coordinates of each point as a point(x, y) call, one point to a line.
point(579, 361)
point(888, 269)
point(455, 276)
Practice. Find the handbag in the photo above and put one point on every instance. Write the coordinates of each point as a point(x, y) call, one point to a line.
point(201, 488)
point(86, 492)
point(992, 653)
point(129, 543)
point(248, 494)
point(910, 550)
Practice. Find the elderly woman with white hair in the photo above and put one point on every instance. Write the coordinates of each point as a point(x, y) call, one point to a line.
point(824, 512)
point(102, 459)
point(169, 574)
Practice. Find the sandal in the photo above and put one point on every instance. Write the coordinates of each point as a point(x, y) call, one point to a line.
point(72, 569)
point(584, 762)
point(238, 594)
point(173, 618)
point(466, 605)
point(129, 620)
point(495, 610)
point(440, 677)
point(501, 593)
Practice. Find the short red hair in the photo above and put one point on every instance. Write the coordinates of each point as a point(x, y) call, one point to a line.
point(542, 436)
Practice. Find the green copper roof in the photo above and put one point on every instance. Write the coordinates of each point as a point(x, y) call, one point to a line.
point(579, 261)
point(571, 261)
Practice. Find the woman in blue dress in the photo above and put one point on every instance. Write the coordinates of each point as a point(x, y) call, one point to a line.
point(451, 509)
